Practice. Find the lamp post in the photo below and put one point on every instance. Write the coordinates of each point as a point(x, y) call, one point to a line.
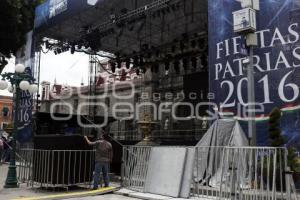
point(244, 23)
point(20, 81)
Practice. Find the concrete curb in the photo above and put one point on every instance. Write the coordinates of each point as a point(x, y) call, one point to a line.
point(72, 194)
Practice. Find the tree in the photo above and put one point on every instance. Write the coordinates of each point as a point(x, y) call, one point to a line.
point(277, 140)
point(275, 136)
point(16, 19)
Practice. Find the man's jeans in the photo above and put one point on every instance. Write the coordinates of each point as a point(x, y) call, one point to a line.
point(104, 167)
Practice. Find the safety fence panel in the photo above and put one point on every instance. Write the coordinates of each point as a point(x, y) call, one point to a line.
point(134, 167)
point(56, 168)
point(250, 173)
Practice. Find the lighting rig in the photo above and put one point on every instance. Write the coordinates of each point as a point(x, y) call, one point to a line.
point(181, 53)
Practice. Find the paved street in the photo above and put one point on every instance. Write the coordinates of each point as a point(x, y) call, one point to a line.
point(27, 193)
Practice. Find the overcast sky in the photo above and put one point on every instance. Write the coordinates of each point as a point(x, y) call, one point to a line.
point(66, 68)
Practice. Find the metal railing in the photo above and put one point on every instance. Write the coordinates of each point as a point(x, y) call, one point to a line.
point(134, 167)
point(56, 168)
point(243, 173)
point(250, 173)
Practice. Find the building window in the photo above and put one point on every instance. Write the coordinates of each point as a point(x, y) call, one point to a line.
point(4, 125)
point(5, 111)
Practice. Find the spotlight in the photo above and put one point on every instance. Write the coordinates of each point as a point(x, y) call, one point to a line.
point(193, 44)
point(140, 25)
point(155, 67)
point(141, 61)
point(119, 64)
point(137, 71)
point(127, 63)
point(173, 49)
point(194, 62)
point(167, 65)
point(135, 61)
point(47, 44)
point(203, 59)
point(157, 53)
point(201, 44)
point(72, 49)
point(182, 46)
point(176, 66)
point(185, 63)
point(113, 67)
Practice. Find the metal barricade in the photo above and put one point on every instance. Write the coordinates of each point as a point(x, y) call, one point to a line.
point(56, 168)
point(134, 167)
point(254, 173)
point(249, 173)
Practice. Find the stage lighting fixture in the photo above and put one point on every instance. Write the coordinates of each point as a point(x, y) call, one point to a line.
point(193, 44)
point(203, 59)
point(47, 44)
point(79, 46)
point(119, 64)
point(168, 9)
point(167, 65)
point(201, 43)
point(145, 47)
point(143, 69)
point(141, 61)
point(113, 67)
point(140, 25)
point(112, 17)
point(182, 45)
point(185, 63)
point(124, 11)
point(157, 53)
point(173, 49)
point(127, 61)
point(156, 67)
point(72, 49)
point(137, 71)
point(176, 66)
point(135, 60)
point(194, 62)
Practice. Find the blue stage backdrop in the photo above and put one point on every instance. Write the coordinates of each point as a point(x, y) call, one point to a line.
point(276, 60)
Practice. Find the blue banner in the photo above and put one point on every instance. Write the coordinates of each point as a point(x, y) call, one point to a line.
point(52, 12)
point(276, 64)
point(25, 56)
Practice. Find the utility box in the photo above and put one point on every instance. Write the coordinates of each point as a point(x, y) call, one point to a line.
point(254, 4)
point(244, 21)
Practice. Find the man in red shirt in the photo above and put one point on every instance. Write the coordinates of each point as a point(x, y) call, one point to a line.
point(103, 158)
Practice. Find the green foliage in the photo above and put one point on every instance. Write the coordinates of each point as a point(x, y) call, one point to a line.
point(293, 160)
point(276, 138)
point(16, 19)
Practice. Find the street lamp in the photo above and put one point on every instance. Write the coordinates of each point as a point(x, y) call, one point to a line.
point(244, 23)
point(19, 81)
